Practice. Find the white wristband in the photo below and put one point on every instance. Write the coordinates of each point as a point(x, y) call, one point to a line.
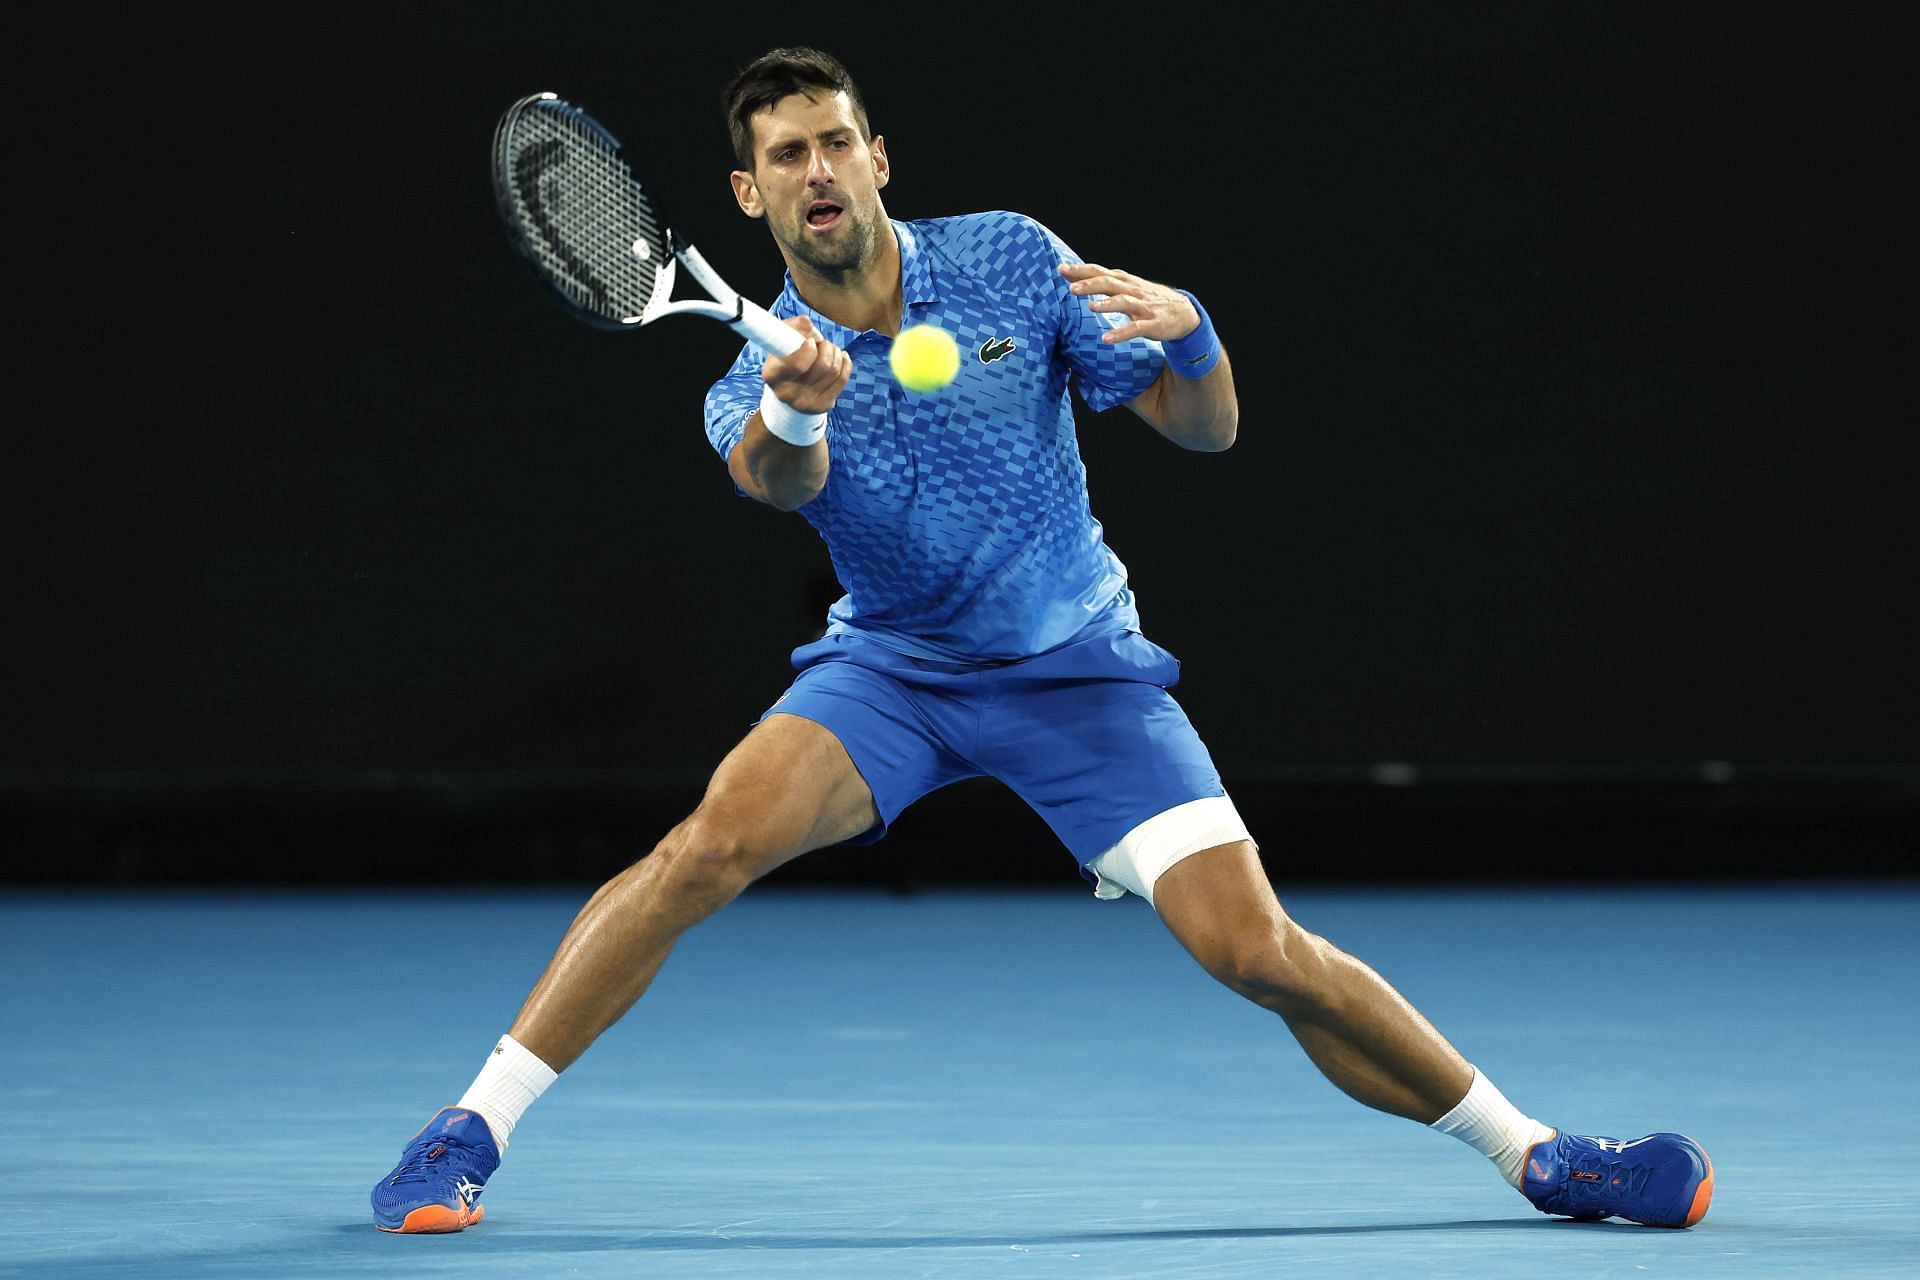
point(788, 423)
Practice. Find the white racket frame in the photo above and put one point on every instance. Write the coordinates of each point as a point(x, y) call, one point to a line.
point(748, 319)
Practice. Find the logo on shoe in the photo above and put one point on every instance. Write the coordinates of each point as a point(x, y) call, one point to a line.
point(1586, 1175)
point(470, 1190)
point(1609, 1144)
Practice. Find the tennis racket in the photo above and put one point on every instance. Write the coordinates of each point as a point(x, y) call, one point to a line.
point(596, 236)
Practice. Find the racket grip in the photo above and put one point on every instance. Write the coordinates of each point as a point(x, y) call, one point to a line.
point(758, 326)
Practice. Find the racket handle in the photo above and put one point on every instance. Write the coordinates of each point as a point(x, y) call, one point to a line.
point(758, 326)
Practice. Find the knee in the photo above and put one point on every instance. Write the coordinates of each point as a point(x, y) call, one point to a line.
point(1278, 966)
point(709, 859)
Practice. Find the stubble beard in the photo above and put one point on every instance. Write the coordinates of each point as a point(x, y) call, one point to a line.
point(844, 255)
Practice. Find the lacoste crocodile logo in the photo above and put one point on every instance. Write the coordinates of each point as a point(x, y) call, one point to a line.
point(996, 349)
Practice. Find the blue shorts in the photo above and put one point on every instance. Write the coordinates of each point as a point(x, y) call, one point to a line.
point(1086, 734)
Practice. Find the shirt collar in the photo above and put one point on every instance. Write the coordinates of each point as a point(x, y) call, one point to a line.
point(917, 288)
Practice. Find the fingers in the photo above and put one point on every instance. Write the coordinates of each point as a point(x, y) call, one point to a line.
point(1091, 279)
point(1117, 292)
point(811, 378)
point(1153, 310)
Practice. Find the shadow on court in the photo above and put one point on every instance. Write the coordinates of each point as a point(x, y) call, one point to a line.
point(562, 1242)
point(337, 1245)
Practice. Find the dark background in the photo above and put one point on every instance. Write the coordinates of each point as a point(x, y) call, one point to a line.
point(1569, 531)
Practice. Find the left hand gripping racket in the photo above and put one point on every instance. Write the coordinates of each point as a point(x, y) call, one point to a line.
point(591, 230)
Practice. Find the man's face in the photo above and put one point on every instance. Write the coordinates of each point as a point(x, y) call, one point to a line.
point(816, 181)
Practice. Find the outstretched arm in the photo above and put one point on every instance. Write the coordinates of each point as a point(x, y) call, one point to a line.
point(1195, 413)
point(779, 473)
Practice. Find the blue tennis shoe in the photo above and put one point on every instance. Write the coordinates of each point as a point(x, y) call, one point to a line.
point(1662, 1180)
point(436, 1186)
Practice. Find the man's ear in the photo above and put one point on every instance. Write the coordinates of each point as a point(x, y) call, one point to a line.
point(747, 194)
point(882, 167)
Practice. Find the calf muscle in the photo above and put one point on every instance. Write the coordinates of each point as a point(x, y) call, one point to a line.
point(1362, 1034)
point(787, 788)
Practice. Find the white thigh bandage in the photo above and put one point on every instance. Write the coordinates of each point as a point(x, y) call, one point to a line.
point(1144, 853)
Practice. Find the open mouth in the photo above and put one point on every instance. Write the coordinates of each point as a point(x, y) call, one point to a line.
point(821, 215)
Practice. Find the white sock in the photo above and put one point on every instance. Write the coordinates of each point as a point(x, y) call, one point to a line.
point(506, 1087)
point(1494, 1127)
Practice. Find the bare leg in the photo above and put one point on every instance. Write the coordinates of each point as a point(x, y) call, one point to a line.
point(1360, 1032)
point(787, 788)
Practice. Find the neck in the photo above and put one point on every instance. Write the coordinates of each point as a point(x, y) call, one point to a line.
point(862, 297)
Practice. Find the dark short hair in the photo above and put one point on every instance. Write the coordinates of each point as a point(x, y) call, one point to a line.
point(777, 74)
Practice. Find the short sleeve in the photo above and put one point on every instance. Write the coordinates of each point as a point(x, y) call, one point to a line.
point(732, 400)
point(1107, 373)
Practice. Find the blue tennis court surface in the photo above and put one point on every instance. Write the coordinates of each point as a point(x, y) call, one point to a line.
point(949, 1084)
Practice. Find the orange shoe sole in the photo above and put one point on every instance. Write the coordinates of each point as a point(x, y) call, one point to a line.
point(1703, 1196)
point(437, 1219)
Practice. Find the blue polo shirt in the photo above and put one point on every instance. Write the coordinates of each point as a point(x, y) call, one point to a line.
point(958, 521)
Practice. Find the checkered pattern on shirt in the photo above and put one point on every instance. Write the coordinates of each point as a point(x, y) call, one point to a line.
point(958, 521)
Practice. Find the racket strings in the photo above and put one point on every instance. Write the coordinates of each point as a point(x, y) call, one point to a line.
point(591, 227)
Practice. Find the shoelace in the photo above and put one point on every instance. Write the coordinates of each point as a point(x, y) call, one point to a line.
point(414, 1165)
point(1629, 1179)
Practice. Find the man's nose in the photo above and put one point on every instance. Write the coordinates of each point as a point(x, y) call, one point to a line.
point(819, 172)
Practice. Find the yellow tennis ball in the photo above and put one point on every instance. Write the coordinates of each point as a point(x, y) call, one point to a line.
point(924, 358)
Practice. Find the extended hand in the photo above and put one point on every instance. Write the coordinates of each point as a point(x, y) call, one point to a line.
point(1154, 310)
point(813, 377)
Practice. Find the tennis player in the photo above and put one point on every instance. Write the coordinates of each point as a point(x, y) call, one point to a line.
point(987, 629)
